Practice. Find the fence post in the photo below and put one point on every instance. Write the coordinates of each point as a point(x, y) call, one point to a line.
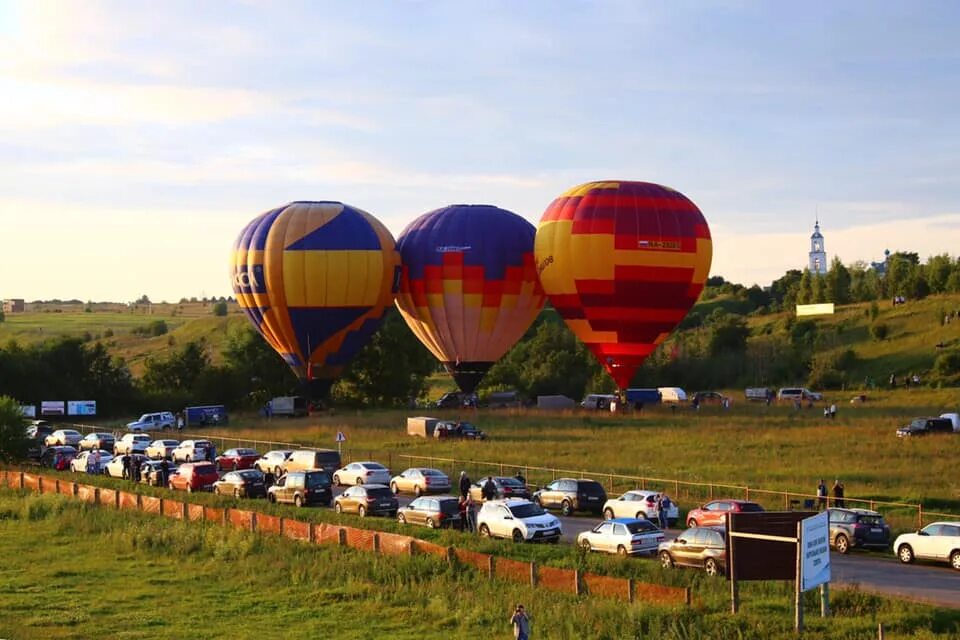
point(376, 543)
point(20, 484)
point(746, 492)
point(342, 537)
point(630, 590)
point(311, 533)
point(253, 521)
point(711, 491)
point(491, 569)
point(687, 596)
point(676, 487)
point(451, 555)
point(920, 516)
point(39, 484)
point(577, 587)
point(786, 501)
point(533, 574)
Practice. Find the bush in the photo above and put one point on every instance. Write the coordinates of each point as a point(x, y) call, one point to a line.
point(947, 364)
point(155, 328)
point(829, 371)
point(220, 309)
point(879, 331)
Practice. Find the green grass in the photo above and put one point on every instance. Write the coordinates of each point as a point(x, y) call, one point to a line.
point(73, 570)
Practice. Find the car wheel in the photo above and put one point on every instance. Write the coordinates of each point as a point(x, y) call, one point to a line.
point(188, 459)
point(566, 508)
point(362, 510)
point(298, 500)
point(517, 536)
point(955, 560)
point(536, 500)
point(905, 553)
point(272, 498)
point(219, 468)
point(394, 488)
point(236, 465)
point(336, 480)
point(585, 545)
point(711, 567)
point(484, 531)
point(402, 519)
point(691, 523)
point(622, 551)
point(432, 523)
point(417, 491)
point(236, 493)
point(216, 490)
point(337, 507)
point(665, 560)
point(608, 514)
point(189, 488)
point(842, 543)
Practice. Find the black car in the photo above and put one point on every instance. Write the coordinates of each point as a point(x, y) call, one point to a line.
point(925, 426)
point(505, 486)
point(303, 488)
point(858, 528)
point(245, 483)
point(572, 495)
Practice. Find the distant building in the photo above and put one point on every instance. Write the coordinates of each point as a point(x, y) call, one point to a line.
point(818, 254)
point(13, 305)
point(881, 267)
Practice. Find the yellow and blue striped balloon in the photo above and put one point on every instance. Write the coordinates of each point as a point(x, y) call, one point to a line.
point(315, 278)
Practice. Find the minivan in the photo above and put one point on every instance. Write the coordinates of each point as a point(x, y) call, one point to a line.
point(307, 459)
point(672, 395)
point(598, 401)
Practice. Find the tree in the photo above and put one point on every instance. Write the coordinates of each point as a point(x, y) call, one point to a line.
point(819, 286)
point(838, 282)
point(144, 299)
point(938, 271)
point(805, 291)
point(728, 332)
point(178, 372)
point(13, 435)
point(220, 309)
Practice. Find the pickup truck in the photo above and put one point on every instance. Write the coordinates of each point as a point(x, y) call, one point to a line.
point(925, 426)
point(463, 430)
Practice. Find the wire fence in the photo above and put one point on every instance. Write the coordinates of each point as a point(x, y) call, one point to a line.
point(903, 514)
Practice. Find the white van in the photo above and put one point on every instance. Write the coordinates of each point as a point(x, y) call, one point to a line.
point(598, 401)
point(954, 418)
point(672, 395)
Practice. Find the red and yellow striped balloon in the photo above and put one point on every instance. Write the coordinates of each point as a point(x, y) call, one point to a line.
point(622, 263)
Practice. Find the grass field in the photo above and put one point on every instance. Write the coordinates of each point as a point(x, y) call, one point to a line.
point(78, 571)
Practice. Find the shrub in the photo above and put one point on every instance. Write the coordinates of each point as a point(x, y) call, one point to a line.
point(947, 364)
point(879, 331)
point(220, 309)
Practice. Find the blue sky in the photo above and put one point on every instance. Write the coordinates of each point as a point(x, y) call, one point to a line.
point(137, 138)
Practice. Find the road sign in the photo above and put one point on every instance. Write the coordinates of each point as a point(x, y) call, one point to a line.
point(815, 541)
point(341, 437)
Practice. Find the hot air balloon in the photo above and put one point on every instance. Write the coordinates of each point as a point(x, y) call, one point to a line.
point(468, 288)
point(315, 279)
point(622, 263)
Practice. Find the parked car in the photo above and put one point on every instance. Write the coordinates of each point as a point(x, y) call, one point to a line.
point(458, 429)
point(572, 495)
point(150, 472)
point(192, 450)
point(518, 520)
point(432, 511)
point(939, 541)
point(639, 503)
point(622, 536)
point(303, 488)
point(598, 401)
point(672, 395)
point(362, 473)
point(368, 499)
point(857, 528)
point(194, 476)
point(713, 514)
point(272, 462)
point(704, 547)
point(132, 443)
point(63, 438)
point(420, 480)
point(158, 421)
point(160, 449)
point(80, 462)
point(506, 486)
point(803, 394)
point(925, 426)
point(58, 457)
point(307, 459)
point(759, 394)
point(708, 397)
point(39, 429)
point(237, 459)
point(97, 440)
point(114, 468)
point(246, 483)
point(454, 400)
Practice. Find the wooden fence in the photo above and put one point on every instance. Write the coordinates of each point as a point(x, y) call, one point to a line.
point(493, 567)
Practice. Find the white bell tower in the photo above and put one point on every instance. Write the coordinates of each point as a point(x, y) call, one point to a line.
point(818, 254)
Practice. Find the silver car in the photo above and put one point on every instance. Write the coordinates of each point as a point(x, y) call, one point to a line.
point(622, 536)
point(420, 480)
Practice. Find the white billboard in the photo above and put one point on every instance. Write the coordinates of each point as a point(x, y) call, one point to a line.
point(815, 309)
point(815, 547)
point(28, 410)
point(52, 408)
point(81, 407)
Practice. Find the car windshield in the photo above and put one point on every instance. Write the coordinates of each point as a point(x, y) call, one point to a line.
point(431, 472)
point(527, 510)
point(318, 480)
point(750, 507)
point(379, 492)
point(372, 466)
point(246, 452)
point(250, 474)
point(511, 482)
point(204, 468)
point(641, 526)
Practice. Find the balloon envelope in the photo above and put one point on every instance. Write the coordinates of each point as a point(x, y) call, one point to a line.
point(315, 278)
point(468, 288)
point(623, 262)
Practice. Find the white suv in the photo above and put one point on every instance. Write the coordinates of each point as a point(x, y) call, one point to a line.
point(161, 420)
point(517, 519)
point(192, 451)
point(131, 443)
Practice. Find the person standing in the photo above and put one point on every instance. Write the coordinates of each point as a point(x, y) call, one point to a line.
point(96, 461)
point(464, 484)
point(470, 510)
point(180, 422)
point(521, 479)
point(489, 489)
point(838, 494)
point(663, 509)
point(136, 468)
point(821, 495)
point(125, 461)
point(164, 472)
point(521, 623)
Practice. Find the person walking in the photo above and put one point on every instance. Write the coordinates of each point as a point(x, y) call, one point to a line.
point(180, 422)
point(125, 461)
point(464, 484)
point(521, 623)
point(838, 494)
point(821, 495)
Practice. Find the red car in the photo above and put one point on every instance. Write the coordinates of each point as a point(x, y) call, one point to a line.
point(713, 513)
point(234, 459)
point(194, 476)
